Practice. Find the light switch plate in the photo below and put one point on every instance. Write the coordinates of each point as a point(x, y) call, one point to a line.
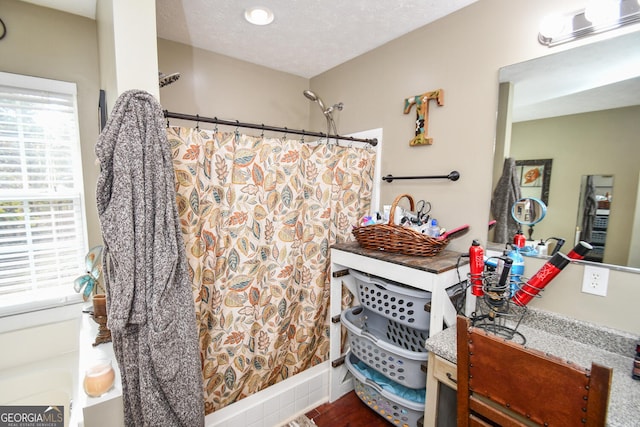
point(595, 280)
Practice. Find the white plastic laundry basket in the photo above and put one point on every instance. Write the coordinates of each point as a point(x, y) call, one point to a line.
point(394, 300)
point(395, 350)
point(395, 409)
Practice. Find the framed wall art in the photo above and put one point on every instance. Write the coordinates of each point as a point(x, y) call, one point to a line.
point(534, 177)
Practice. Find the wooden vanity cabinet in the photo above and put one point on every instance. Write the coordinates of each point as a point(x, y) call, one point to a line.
point(440, 404)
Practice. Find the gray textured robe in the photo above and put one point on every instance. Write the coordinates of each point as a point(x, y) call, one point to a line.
point(506, 193)
point(151, 311)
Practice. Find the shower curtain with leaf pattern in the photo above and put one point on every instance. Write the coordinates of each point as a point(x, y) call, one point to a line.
point(258, 217)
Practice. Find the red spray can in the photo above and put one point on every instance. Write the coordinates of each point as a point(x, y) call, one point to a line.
point(476, 268)
point(580, 251)
point(519, 239)
point(541, 279)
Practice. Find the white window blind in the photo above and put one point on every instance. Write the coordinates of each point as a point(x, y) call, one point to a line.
point(42, 225)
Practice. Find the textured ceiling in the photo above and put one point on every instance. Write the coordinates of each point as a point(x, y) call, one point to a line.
point(306, 38)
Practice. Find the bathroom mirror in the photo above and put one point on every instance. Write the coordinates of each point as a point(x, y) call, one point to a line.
point(587, 130)
point(596, 197)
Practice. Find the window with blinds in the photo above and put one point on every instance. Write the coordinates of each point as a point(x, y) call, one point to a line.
point(42, 225)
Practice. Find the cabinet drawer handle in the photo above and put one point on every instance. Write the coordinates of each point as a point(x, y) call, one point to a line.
point(453, 380)
point(339, 361)
point(340, 273)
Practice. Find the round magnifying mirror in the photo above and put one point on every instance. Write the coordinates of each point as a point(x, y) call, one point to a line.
point(528, 211)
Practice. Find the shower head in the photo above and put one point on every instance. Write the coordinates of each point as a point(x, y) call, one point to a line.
point(167, 79)
point(310, 95)
point(326, 111)
point(315, 98)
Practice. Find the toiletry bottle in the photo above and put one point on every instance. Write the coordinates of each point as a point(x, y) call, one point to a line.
point(517, 268)
point(433, 230)
point(519, 239)
point(635, 373)
point(541, 248)
point(476, 268)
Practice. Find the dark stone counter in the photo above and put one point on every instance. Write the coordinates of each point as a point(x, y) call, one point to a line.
point(446, 260)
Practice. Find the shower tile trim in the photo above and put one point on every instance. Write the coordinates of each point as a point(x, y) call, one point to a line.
point(279, 403)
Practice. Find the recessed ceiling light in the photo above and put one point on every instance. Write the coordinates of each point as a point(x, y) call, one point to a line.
point(259, 15)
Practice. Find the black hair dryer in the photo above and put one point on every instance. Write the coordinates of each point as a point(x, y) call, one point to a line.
point(558, 246)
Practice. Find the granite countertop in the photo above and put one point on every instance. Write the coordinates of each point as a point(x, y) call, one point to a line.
point(579, 342)
point(443, 261)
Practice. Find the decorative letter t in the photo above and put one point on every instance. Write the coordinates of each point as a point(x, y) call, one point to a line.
point(422, 112)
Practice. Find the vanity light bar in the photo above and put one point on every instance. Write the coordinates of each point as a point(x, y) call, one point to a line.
point(563, 28)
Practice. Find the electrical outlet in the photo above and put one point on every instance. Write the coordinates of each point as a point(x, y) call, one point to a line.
point(595, 280)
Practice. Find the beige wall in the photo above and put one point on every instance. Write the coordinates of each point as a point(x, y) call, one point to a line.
point(598, 143)
point(563, 295)
point(215, 85)
point(56, 45)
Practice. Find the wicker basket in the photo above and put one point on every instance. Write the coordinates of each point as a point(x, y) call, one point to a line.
point(398, 239)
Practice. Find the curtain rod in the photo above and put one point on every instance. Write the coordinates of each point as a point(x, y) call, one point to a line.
point(215, 120)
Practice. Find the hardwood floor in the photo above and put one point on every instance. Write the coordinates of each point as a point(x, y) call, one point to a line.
point(348, 411)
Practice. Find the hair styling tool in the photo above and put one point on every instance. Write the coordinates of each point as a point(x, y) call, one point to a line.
point(496, 293)
point(541, 279)
point(456, 232)
point(580, 251)
point(559, 244)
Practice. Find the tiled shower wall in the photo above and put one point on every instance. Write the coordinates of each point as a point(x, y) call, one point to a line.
point(279, 403)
